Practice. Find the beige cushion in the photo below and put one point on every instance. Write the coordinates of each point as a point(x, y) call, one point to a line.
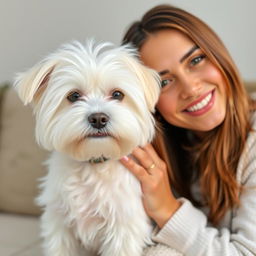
point(20, 157)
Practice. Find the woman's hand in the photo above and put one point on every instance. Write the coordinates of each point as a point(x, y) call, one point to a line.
point(151, 171)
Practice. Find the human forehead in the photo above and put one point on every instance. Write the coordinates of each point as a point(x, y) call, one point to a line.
point(163, 47)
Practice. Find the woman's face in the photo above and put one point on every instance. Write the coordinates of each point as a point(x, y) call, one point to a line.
point(193, 89)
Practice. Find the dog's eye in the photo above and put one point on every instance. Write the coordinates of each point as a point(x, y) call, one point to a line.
point(74, 96)
point(117, 95)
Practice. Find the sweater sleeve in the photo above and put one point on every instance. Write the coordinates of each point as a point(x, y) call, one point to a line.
point(160, 250)
point(188, 231)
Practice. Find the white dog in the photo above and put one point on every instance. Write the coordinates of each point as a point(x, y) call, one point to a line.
point(93, 105)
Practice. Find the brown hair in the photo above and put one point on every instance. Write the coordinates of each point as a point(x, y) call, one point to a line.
point(216, 156)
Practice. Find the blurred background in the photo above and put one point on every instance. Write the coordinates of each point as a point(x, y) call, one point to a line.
point(30, 29)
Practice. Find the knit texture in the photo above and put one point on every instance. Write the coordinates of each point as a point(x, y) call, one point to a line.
point(160, 250)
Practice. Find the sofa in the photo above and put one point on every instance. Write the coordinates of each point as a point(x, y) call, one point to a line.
point(21, 166)
point(20, 169)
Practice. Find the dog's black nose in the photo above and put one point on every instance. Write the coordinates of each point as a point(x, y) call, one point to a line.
point(98, 120)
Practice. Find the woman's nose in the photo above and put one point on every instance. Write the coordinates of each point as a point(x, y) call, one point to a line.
point(190, 86)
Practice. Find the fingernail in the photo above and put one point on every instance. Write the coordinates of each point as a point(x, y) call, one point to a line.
point(125, 158)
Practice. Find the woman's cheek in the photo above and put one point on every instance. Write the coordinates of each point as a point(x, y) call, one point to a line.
point(212, 73)
point(166, 105)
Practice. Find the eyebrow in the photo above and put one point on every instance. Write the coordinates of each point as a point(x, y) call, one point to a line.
point(186, 55)
point(195, 47)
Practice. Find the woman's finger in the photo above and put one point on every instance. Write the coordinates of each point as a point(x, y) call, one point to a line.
point(154, 156)
point(144, 159)
point(150, 160)
point(138, 171)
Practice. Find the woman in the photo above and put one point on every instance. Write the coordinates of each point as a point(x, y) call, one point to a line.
point(199, 179)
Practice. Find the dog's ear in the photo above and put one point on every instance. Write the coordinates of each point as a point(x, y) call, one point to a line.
point(148, 79)
point(150, 82)
point(32, 82)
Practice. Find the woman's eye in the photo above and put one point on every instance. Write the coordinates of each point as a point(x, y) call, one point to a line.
point(117, 95)
point(165, 82)
point(197, 60)
point(74, 96)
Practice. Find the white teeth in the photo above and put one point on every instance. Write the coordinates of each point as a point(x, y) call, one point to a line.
point(201, 104)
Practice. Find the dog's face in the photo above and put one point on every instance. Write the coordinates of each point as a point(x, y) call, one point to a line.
point(92, 101)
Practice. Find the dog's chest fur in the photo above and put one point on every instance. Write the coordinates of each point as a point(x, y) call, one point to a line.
point(98, 201)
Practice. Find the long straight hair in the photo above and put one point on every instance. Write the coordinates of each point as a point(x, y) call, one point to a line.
point(216, 156)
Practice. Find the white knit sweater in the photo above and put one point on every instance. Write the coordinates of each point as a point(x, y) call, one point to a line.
point(189, 233)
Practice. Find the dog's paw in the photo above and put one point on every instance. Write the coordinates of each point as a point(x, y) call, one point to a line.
point(160, 250)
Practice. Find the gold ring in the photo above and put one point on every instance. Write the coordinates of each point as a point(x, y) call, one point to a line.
point(151, 166)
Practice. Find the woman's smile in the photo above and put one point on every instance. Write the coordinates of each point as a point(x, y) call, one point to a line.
point(202, 105)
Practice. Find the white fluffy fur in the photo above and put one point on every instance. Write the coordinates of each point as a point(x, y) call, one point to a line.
point(93, 208)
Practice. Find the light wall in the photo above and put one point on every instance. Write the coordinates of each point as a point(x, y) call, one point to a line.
point(30, 29)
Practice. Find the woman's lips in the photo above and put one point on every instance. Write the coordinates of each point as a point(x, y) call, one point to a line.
point(202, 105)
